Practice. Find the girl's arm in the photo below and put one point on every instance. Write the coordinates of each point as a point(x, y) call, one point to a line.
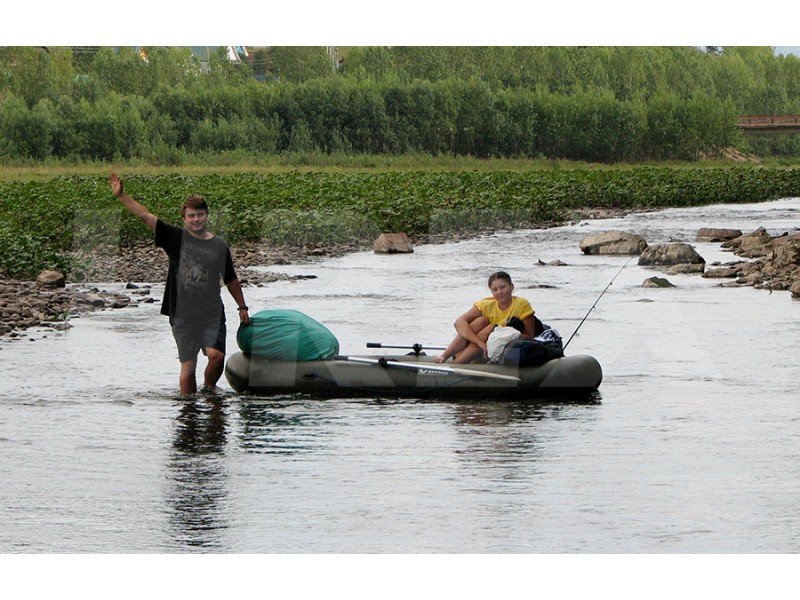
point(464, 328)
point(530, 327)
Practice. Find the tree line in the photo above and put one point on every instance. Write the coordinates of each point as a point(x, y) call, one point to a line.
point(600, 104)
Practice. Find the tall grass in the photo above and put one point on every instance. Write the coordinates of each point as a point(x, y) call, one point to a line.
point(232, 162)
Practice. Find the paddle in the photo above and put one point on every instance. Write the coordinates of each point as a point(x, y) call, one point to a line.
point(384, 362)
point(417, 348)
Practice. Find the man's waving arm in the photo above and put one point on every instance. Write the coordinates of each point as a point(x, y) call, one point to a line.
point(132, 205)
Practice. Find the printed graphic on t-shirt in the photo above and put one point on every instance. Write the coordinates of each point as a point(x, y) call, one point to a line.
point(194, 265)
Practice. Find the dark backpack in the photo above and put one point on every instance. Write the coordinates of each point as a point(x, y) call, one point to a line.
point(538, 326)
point(533, 352)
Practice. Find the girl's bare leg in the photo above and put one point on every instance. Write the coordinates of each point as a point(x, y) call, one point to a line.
point(460, 344)
point(457, 345)
point(474, 352)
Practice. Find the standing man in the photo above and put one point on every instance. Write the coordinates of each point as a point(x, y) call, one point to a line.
point(198, 259)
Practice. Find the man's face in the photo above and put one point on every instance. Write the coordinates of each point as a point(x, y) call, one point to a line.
point(195, 220)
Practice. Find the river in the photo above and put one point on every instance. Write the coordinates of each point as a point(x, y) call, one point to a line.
point(690, 446)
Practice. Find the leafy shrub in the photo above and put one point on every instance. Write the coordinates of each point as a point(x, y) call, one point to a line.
point(42, 222)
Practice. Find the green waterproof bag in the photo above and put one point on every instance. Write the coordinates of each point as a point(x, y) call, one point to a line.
point(284, 334)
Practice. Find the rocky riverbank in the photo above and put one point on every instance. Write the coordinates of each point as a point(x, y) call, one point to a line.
point(29, 304)
point(767, 262)
point(48, 304)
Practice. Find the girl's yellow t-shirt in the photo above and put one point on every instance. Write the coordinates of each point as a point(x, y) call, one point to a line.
point(519, 308)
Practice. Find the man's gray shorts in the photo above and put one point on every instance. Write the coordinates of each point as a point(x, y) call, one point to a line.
point(191, 337)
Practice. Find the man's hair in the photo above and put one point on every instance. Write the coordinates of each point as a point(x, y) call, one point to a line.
point(195, 202)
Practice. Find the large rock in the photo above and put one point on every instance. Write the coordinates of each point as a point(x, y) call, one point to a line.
point(795, 289)
point(657, 282)
point(710, 234)
point(723, 272)
point(667, 255)
point(750, 273)
point(782, 266)
point(752, 245)
point(785, 239)
point(686, 269)
point(613, 242)
point(786, 256)
point(51, 279)
point(392, 243)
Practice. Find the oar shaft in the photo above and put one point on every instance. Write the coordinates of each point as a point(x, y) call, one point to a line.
point(383, 362)
point(413, 347)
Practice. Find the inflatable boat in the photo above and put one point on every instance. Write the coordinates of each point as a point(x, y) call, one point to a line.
point(413, 375)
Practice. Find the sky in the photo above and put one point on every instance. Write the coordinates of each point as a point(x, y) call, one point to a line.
point(405, 22)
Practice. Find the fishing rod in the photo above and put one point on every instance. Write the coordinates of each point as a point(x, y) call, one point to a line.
point(596, 301)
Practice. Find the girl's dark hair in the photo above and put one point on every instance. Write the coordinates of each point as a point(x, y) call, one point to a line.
point(500, 275)
point(195, 202)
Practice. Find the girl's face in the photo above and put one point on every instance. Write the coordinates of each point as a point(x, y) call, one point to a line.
point(501, 290)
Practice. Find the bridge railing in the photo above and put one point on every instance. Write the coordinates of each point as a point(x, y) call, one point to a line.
point(768, 121)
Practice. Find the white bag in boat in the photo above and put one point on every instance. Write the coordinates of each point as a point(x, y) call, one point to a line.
point(497, 342)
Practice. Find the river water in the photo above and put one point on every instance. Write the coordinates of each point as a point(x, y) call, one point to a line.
point(690, 446)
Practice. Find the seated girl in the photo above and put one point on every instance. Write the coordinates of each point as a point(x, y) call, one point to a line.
point(475, 325)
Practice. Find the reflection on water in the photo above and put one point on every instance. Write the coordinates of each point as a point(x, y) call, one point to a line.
point(201, 427)
point(493, 414)
point(279, 426)
point(505, 438)
point(198, 485)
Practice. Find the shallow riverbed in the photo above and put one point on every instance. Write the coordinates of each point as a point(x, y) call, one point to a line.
point(691, 445)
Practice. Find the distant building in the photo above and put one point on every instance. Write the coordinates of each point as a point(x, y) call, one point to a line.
point(235, 53)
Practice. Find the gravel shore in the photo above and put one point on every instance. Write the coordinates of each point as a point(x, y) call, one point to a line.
point(50, 302)
point(48, 305)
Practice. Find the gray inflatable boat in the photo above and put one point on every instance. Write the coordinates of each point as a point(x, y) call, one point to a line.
point(412, 376)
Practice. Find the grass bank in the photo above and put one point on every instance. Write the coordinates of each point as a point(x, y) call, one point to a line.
point(233, 162)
